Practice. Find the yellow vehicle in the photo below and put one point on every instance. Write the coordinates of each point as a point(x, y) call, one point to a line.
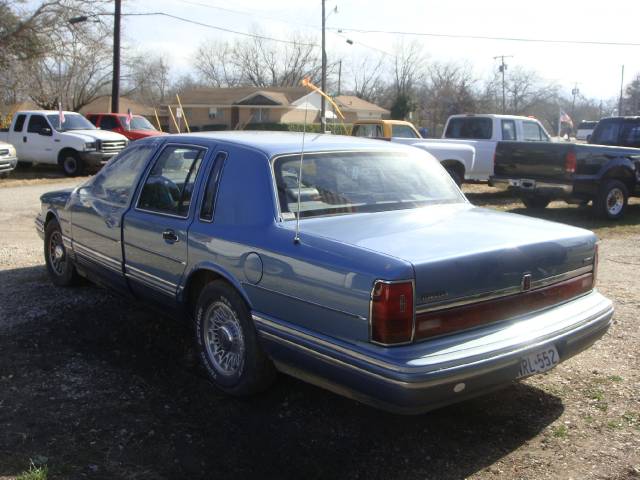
point(457, 159)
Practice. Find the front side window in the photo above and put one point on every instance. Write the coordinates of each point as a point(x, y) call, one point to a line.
point(531, 132)
point(470, 128)
point(169, 186)
point(37, 123)
point(137, 123)
point(631, 134)
point(357, 182)
point(369, 130)
point(508, 130)
point(117, 180)
point(108, 123)
point(403, 131)
point(606, 133)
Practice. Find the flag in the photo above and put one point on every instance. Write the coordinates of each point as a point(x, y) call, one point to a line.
point(60, 115)
point(564, 118)
point(129, 118)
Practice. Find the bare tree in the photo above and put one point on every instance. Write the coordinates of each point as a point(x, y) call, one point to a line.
point(147, 78)
point(526, 90)
point(367, 76)
point(408, 70)
point(214, 62)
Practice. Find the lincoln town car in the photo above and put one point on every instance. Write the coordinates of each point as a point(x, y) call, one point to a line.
point(354, 265)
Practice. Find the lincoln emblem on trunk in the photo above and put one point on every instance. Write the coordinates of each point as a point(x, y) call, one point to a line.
point(526, 282)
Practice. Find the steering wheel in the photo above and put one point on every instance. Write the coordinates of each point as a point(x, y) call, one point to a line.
point(160, 193)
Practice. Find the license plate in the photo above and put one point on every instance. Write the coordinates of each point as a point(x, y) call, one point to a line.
point(539, 362)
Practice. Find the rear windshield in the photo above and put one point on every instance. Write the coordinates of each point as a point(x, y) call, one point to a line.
point(607, 132)
point(355, 182)
point(471, 128)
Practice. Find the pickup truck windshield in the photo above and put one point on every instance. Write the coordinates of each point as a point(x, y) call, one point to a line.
point(470, 128)
point(71, 122)
point(137, 123)
point(356, 182)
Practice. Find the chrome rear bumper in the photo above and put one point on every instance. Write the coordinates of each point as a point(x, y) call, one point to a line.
point(430, 374)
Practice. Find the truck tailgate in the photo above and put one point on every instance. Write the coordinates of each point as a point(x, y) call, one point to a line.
point(531, 160)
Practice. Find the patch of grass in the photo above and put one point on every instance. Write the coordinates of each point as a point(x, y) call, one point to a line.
point(614, 424)
point(615, 378)
point(632, 419)
point(561, 431)
point(598, 395)
point(34, 473)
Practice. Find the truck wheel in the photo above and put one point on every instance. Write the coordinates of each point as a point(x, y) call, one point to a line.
point(455, 174)
point(59, 265)
point(536, 202)
point(72, 164)
point(611, 201)
point(228, 344)
point(23, 165)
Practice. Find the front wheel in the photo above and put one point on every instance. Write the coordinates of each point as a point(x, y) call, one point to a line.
point(59, 265)
point(611, 201)
point(72, 164)
point(228, 343)
point(535, 202)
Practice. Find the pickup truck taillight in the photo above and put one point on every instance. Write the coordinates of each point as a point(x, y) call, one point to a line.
point(392, 312)
point(570, 162)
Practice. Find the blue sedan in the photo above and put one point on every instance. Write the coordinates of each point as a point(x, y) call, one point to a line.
point(358, 266)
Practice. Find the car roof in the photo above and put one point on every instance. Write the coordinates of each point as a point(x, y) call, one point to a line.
point(111, 114)
point(381, 120)
point(278, 143)
point(45, 112)
point(493, 115)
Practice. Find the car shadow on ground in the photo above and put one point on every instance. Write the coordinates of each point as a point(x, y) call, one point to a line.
point(102, 387)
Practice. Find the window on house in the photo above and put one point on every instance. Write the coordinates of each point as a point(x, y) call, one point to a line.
point(259, 115)
point(215, 113)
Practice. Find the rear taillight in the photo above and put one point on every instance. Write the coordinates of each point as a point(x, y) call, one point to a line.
point(596, 257)
point(570, 162)
point(392, 312)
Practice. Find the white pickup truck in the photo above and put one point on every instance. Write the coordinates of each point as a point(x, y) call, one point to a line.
point(456, 159)
point(483, 132)
point(8, 158)
point(78, 144)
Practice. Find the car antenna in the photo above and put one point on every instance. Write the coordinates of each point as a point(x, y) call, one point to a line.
point(296, 239)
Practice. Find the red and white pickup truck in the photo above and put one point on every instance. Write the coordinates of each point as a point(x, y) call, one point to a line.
point(139, 127)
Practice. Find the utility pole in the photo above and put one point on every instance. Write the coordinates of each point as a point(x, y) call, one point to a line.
point(502, 69)
point(575, 92)
point(621, 87)
point(115, 83)
point(339, 75)
point(323, 83)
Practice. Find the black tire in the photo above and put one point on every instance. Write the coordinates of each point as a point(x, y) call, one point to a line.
point(455, 174)
point(23, 165)
point(72, 164)
point(611, 201)
point(536, 202)
point(59, 265)
point(224, 330)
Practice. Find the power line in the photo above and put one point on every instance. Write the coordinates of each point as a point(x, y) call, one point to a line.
point(483, 37)
point(215, 27)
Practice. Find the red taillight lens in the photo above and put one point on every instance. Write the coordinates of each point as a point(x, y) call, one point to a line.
point(448, 320)
point(596, 258)
point(570, 162)
point(392, 312)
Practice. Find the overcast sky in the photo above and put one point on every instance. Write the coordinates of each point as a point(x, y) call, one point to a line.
point(595, 68)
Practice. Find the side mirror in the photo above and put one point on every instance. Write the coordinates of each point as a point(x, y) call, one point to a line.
point(46, 131)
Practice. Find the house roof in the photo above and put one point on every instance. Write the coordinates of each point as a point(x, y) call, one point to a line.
point(351, 103)
point(103, 105)
point(236, 95)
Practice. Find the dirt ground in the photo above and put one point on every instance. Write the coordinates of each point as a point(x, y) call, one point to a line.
point(94, 386)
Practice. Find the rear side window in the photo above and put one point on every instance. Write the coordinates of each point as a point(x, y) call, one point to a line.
point(170, 183)
point(508, 130)
point(19, 123)
point(403, 131)
point(470, 128)
point(93, 119)
point(209, 199)
point(586, 125)
point(606, 133)
point(368, 130)
point(37, 123)
point(116, 181)
point(108, 123)
point(631, 134)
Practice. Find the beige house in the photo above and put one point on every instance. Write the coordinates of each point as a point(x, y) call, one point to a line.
point(236, 108)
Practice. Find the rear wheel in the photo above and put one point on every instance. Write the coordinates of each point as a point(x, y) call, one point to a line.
point(228, 343)
point(611, 201)
point(72, 164)
point(536, 202)
point(59, 265)
point(456, 174)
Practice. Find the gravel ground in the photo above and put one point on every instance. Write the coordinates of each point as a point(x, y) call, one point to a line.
point(95, 386)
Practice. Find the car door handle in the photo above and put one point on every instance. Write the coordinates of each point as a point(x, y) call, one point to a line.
point(170, 236)
point(24, 139)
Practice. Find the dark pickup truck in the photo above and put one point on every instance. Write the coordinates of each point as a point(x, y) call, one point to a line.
point(578, 173)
